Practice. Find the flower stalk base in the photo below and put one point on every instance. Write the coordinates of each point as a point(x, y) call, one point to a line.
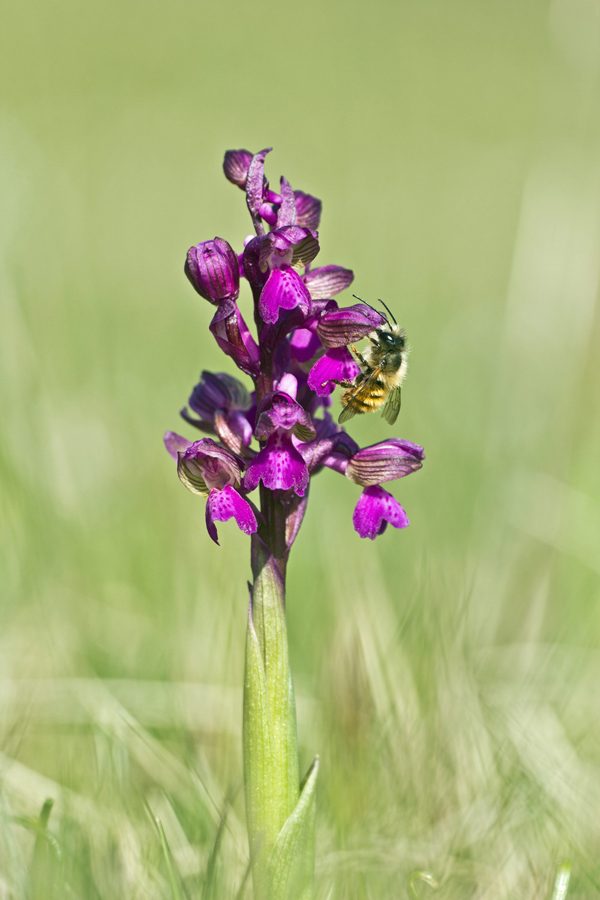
point(281, 818)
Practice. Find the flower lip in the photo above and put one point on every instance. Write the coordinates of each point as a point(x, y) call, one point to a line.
point(226, 504)
point(279, 465)
point(386, 461)
point(338, 364)
point(213, 269)
point(204, 466)
point(340, 327)
point(284, 290)
point(375, 508)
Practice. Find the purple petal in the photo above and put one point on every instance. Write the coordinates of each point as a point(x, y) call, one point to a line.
point(279, 466)
point(175, 443)
point(218, 390)
point(267, 212)
point(290, 245)
point(255, 188)
point(213, 269)
point(234, 430)
point(309, 210)
point(327, 281)
point(233, 337)
point(340, 327)
point(284, 290)
point(374, 510)
point(338, 364)
point(226, 504)
point(304, 344)
point(251, 264)
point(236, 165)
point(385, 461)
point(279, 412)
point(205, 465)
point(287, 210)
point(333, 449)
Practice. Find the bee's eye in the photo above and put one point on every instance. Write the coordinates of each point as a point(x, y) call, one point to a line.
point(385, 337)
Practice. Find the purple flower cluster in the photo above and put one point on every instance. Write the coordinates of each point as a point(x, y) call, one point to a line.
point(300, 352)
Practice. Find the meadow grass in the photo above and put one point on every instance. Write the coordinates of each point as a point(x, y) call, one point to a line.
point(447, 675)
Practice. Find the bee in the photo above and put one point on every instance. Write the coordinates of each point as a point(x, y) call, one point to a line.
point(383, 368)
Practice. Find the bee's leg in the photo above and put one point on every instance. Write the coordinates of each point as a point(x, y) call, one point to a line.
point(344, 384)
point(359, 356)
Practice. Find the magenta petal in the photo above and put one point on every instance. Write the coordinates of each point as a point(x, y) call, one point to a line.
point(279, 466)
point(227, 504)
point(308, 210)
point(236, 165)
point(374, 510)
point(283, 290)
point(255, 186)
point(174, 443)
point(234, 338)
point(327, 281)
point(338, 364)
point(304, 344)
point(287, 210)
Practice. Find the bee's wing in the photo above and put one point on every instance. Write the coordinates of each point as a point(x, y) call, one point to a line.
point(392, 405)
point(359, 396)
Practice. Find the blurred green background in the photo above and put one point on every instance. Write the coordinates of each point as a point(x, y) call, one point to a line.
point(448, 674)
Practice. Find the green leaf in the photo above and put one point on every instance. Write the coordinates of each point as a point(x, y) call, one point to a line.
point(291, 865)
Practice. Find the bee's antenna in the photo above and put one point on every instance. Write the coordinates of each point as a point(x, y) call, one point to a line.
point(373, 308)
point(388, 309)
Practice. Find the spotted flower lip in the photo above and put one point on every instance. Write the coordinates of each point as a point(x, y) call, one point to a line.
point(386, 461)
point(375, 508)
point(284, 290)
point(213, 269)
point(226, 504)
point(279, 465)
point(340, 327)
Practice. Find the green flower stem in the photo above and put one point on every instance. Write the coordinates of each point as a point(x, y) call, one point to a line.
point(280, 820)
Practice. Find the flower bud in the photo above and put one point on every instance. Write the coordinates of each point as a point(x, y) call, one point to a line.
point(213, 269)
point(236, 165)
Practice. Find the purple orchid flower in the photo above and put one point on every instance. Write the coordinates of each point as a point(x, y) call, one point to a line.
point(208, 469)
point(223, 406)
point(300, 353)
point(213, 269)
point(280, 465)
